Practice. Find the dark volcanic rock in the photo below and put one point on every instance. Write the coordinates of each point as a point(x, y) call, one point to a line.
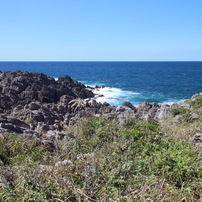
point(24, 87)
point(33, 103)
point(17, 122)
point(11, 128)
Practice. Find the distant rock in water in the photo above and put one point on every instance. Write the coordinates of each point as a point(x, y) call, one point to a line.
point(24, 87)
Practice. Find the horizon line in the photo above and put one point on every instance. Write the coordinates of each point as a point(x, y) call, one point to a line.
point(105, 61)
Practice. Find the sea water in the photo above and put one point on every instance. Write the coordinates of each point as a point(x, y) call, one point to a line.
point(135, 82)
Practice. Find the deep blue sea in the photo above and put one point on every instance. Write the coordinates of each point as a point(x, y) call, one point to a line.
point(162, 82)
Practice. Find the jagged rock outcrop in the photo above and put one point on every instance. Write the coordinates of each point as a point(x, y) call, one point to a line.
point(24, 87)
point(154, 112)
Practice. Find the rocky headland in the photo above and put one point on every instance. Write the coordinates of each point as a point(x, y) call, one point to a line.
point(35, 104)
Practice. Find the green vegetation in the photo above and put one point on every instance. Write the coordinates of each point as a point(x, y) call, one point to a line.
point(179, 111)
point(184, 114)
point(197, 103)
point(109, 162)
point(20, 114)
point(28, 121)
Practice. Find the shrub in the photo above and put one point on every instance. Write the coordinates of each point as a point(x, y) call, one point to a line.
point(179, 111)
point(197, 103)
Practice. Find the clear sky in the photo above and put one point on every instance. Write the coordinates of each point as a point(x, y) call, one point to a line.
point(100, 30)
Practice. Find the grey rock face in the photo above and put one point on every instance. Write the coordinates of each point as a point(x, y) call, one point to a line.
point(12, 125)
point(197, 140)
point(154, 111)
point(193, 116)
point(128, 104)
point(124, 113)
point(163, 113)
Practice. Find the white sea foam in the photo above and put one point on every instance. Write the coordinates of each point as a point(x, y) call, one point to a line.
point(117, 96)
point(113, 96)
point(172, 102)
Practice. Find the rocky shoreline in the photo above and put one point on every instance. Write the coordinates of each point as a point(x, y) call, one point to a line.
point(35, 104)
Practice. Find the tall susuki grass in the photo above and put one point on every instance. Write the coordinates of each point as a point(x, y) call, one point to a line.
point(107, 162)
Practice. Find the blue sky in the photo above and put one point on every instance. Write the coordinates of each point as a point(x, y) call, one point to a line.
point(100, 30)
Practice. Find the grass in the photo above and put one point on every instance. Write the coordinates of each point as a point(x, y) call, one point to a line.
point(197, 103)
point(137, 161)
point(186, 128)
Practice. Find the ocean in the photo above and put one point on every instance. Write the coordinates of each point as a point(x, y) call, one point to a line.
point(135, 82)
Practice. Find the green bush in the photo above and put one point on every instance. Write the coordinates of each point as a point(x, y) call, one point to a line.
point(197, 103)
point(179, 111)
